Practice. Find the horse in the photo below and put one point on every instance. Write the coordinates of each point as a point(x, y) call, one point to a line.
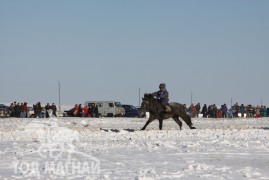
point(154, 107)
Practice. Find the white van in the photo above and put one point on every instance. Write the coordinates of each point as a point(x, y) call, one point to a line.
point(107, 108)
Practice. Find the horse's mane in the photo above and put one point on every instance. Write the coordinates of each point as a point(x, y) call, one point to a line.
point(148, 97)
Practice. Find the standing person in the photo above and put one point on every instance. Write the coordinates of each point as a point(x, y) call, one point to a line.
point(19, 110)
point(96, 112)
point(252, 111)
point(79, 110)
point(237, 109)
point(47, 107)
point(91, 110)
point(209, 111)
point(204, 111)
point(35, 109)
point(264, 111)
point(261, 110)
point(163, 95)
point(248, 111)
point(24, 110)
point(242, 110)
point(75, 110)
point(224, 110)
point(54, 109)
point(85, 111)
point(198, 107)
point(15, 109)
point(230, 112)
point(219, 114)
point(215, 111)
point(258, 112)
point(194, 112)
point(38, 109)
point(11, 107)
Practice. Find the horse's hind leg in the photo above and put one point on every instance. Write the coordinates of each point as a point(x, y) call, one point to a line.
point(147, 123)
point(187, 120)
point(160, 124)
point(178, 121)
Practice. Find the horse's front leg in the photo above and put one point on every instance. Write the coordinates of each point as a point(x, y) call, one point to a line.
point(151, 118)
point(160, 124)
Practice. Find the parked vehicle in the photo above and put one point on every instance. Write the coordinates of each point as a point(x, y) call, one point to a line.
point(61, 114)
point(131, 111)
point(70, 113)
point(107, 108)
point(4, 111)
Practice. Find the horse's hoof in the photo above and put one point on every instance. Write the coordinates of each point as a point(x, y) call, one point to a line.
point(193, 127)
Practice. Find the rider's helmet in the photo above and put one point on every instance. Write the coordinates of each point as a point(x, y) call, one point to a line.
point(162, 86)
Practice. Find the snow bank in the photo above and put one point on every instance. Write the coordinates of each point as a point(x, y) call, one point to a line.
point(217, 149)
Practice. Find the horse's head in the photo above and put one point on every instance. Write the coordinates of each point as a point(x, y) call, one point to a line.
point(144, 106)
point(147, 99)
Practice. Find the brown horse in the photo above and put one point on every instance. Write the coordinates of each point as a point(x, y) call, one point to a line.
point(154, 107)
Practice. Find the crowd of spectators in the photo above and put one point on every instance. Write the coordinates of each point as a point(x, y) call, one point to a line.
point(18, 110)
point(212, 111)
point(86, 111)
point(21, 110)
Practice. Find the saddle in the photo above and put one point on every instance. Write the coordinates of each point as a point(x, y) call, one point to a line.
point(164, 109)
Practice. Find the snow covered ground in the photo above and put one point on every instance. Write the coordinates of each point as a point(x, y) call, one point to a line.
point(115, 148)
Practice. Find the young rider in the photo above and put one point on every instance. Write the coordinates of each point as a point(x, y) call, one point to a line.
point(163, 95)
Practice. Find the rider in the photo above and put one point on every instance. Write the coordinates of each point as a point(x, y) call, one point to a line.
point(163, 94)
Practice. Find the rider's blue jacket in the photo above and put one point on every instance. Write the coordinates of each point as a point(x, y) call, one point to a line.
point(162, 95)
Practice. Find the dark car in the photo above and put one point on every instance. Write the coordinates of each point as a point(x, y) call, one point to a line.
point(131, 111)
point(4, 111)
point(70, 113)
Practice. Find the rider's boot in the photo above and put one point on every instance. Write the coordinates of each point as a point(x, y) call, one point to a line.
point(167, 109)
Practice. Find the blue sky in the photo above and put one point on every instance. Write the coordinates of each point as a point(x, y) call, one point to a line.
point(107, 50)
